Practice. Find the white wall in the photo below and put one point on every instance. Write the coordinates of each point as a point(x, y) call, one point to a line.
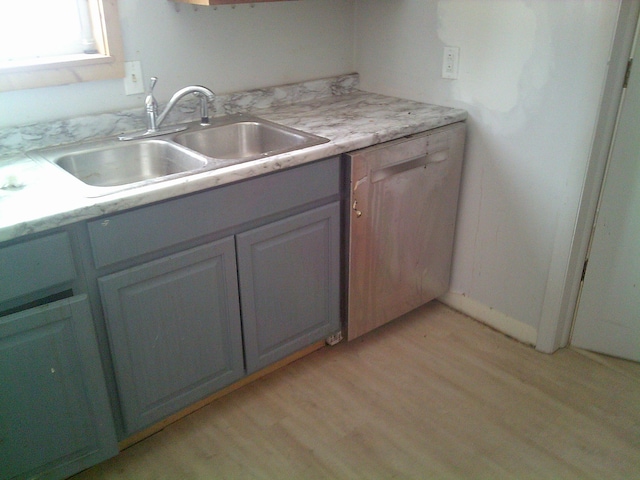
point(226, 49)
point(531, 77)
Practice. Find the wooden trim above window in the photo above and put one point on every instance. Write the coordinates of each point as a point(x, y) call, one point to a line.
point(107, 64)
point(224, 2)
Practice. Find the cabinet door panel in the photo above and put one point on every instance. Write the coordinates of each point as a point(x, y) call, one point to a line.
point(55, 412)
point(289, 278)
point(174, 328)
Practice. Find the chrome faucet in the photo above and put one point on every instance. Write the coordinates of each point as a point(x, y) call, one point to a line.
point(154, 120)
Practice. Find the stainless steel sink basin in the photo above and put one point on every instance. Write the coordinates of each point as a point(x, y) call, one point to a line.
point(246, 140)
point(120, 164)
point(109, 165)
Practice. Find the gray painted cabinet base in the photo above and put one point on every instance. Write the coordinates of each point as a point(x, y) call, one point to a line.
point(174, 327)
point(168, 280)
point(55, 418)
point(289, 279)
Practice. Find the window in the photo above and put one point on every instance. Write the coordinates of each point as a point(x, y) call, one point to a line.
point(55, 42)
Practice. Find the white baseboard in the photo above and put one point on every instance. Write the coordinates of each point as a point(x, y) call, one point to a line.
point(489, 316)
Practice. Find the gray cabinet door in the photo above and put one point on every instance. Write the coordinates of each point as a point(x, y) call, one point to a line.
point(289, 279)
point(174, 330)
point(55, 418)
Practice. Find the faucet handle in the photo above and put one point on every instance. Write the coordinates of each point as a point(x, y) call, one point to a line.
point(151, 107)
point(152, 83)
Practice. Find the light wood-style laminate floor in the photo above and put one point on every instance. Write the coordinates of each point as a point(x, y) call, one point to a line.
point(432, 395)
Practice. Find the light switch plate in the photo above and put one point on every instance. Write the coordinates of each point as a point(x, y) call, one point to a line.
point(450, 62)
point(133, 81)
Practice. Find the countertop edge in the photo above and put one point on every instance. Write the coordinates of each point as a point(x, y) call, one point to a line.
point(351, 122)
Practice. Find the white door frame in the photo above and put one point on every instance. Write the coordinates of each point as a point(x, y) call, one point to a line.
point(565, 274)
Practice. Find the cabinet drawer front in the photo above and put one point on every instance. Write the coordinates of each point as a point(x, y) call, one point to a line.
point(35, 265)
point(153, 228)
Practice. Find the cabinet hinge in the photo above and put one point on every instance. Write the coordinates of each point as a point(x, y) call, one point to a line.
point(627, 73)
point(334, 339)
point(584, 270)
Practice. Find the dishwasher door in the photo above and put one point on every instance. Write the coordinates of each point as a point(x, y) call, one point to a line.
point(404, 198)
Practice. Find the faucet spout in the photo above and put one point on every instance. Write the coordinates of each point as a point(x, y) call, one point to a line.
point(154, 120)
point(203, 93)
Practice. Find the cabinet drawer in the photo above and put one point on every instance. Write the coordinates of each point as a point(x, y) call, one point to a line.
point(35, 265)
point(129, 234)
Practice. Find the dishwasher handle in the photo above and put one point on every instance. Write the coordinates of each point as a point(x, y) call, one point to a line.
point(355, 209)
point(408, 164)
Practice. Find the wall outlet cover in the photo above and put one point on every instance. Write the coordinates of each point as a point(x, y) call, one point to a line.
point(133, 80)
point(450, 62)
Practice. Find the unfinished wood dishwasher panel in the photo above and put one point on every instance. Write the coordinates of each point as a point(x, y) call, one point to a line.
point(404, 199)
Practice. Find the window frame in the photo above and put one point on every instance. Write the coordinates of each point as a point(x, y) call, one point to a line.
point(68, 69)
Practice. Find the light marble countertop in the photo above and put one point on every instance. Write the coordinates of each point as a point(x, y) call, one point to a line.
point(37, 196)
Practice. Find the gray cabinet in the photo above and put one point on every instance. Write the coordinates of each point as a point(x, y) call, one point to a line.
point(174, 327)
point(167, 278)
point(289, 279)
point(55, 416)
point(162, 283)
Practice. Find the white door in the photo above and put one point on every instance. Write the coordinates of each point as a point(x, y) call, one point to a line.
point(608, 315)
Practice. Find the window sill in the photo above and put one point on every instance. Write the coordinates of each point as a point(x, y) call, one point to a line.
point(57, 71)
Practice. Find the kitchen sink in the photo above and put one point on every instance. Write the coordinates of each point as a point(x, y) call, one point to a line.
point(124, 164)
point(110, 165)
point(245, 140)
